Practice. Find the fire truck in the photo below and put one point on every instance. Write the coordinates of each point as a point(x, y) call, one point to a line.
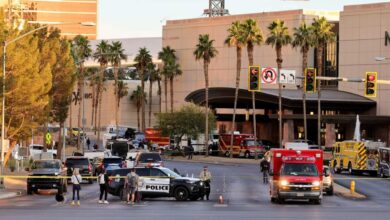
point(296, 174)
point(154, 136)
point(356, 156)
point(244, 145)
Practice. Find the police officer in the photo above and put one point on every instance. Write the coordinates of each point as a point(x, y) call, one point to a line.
point(205, 176)
point(264, 167)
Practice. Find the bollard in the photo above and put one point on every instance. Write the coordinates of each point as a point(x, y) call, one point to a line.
point(221, 200)
point(352, 186)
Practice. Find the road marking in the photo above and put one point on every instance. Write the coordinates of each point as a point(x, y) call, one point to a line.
point(220, 205)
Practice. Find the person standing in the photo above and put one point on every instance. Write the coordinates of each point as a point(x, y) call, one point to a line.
point(76, 180)
point(205, 176)
point(88, 143)
point(264, 167)
point(131, 184)
point(103, 184)
point(190, 149)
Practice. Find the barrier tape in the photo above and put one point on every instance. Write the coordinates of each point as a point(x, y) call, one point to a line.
point(159, 177)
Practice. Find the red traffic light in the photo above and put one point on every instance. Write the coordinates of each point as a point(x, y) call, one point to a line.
point(370, 77)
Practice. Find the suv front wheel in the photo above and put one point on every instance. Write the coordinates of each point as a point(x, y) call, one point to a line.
point(181, 193)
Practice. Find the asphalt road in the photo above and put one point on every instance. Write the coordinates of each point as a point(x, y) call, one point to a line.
point(246, 198)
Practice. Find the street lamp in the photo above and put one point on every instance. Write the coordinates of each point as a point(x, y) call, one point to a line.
point(5, 44)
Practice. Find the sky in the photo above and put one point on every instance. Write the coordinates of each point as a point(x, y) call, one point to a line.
point(144, 18)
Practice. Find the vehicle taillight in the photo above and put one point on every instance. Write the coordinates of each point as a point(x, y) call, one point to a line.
point(124, 164)
point(90, 168)
point(109, 181)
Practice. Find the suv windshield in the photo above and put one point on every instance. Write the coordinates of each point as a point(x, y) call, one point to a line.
point(291, 169)
point(170, 173)
point(150, 157)
point(251, 143)
point(46, 165)
point(70, 162)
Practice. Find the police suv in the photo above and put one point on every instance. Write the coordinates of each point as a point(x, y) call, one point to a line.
point(157, 182)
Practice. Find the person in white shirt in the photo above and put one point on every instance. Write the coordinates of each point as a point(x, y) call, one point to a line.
point(103, 184)
point(76, 180)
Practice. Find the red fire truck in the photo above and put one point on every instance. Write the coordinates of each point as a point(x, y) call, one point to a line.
point(154, 136)
point(296, 174)
point(244, 145)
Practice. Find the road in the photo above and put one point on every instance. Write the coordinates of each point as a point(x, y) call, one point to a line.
point(246, 198)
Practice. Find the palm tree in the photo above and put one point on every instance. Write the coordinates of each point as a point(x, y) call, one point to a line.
point(322, 34)
point(116, 55)
point(252, 36)
point(175, 70)
point(167, 55)
point(153, 76)
point(122, 91)
point(81, 51)
point(102, 56)
point(137, 98)
point(236, 38)
point(142, 59)
point(205, 50)
point(278, 37)
point(303, 38)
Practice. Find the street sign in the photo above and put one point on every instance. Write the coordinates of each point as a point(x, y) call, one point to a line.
point(287, 77)
point(48, 138)
point(269, 75)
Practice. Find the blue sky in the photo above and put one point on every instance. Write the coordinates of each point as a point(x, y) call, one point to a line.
point(144, 18)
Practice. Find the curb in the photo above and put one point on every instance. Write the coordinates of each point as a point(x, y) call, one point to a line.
point(10, 195)
point(345, 193)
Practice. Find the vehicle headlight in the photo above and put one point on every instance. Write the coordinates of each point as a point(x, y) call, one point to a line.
point(190, 181)
point(316, 183)
point(201, 183)
point(284, 183)
point(56, 174)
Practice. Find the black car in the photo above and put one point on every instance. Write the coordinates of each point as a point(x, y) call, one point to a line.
point(158, 182)
point(151, 159)
point(51, 168)
point(85, 167)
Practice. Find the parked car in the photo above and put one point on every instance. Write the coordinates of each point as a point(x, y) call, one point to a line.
point(36, 149)
point(46, 168)
point(327, 181)
point(85, 167)
point(110, 161)
point(151, 159)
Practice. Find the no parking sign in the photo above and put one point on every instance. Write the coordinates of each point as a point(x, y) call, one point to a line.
point(269, 75)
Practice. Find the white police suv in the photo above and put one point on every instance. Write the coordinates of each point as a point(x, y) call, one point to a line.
point(157, 182)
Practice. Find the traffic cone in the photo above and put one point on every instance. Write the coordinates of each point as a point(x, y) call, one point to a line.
point(220, 200)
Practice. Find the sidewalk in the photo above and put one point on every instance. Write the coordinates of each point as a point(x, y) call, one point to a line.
point(13, 186)
point(346, 193)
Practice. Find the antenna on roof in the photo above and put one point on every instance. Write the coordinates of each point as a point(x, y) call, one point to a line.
point(216, 8)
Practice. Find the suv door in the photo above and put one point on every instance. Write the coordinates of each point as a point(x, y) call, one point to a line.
point(156, 184)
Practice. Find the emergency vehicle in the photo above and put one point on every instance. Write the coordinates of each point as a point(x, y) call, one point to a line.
point(157, 182)
point(244, 145)
point(356, 156)
point(296, 174)
point(154, 136)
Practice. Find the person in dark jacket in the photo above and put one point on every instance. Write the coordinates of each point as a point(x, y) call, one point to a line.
point(103, 184)
point(264, 167)
point(190, 149)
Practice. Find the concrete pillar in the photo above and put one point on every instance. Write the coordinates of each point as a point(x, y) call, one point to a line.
point(288, 131)
point(330, 135)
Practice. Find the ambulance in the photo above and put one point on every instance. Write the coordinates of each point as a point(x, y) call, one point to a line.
point(296, 174)
point(356, 156)
point(244, 145)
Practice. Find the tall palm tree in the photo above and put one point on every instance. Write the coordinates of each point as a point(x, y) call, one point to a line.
point(322, 34)
point(253, 35)
point(278, 37)
point(205, 50)
point(152, 77)
point(303, 39)
point(122, 91)
point(116, 55)
point(175, 70)
point(137, 98)
point(142, 59)
point(81, 51)
point(167, 55)
point(102, 56)
point(236, 38)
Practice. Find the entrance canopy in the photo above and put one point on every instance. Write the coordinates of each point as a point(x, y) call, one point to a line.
point(223, 97)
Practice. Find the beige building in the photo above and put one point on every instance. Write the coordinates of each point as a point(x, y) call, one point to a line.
point(60, 11)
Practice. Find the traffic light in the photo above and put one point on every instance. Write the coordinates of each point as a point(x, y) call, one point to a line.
point(371, 84)
point(310, 80)
point(254, 78)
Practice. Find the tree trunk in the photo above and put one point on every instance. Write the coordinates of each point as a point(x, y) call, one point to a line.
point(319, 73)
point(304, 66)
point(238, 69)
point(159, 94)
point(60, 141)
point(250, 57)
point(101, 81)
point(142, 100)
point(98, 91)
point(206, 79)
point(166, 93)
point(116, 97)
point(171, 91)
point(138, 121)
point(81, 89)
point(70, 116)
point(279, 61)
point(150, 102)
point(94, 87)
